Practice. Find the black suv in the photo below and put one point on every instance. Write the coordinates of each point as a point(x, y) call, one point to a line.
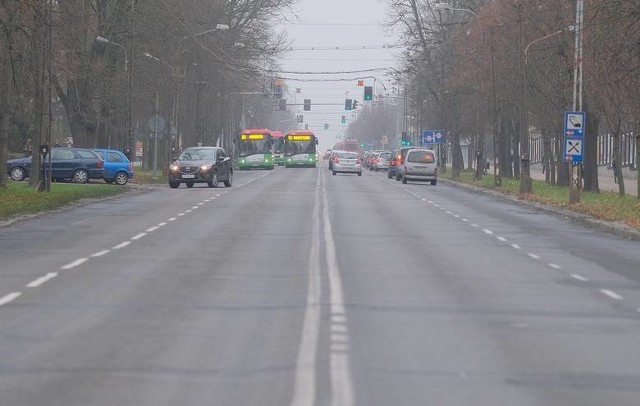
point(208, 165)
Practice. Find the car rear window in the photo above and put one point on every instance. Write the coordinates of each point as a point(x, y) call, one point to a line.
point(385, 155)
point(421, 157)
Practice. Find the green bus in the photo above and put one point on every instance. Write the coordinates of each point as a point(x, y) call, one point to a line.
point(255, 149)
point(300, 149)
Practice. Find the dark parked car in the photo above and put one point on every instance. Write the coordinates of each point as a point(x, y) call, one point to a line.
point(76, 164)
point(117, 167)
point(208, 165)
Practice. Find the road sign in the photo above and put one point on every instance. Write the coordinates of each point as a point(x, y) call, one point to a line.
point(432, 137)
point(574, 124)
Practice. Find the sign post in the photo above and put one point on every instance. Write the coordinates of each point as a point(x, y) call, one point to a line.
point(573, 147)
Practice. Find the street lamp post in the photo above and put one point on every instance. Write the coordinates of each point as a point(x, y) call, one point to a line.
point(525, 159)
point(103, 40)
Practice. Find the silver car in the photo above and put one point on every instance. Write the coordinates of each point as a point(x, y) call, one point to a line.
point(381, 163)
point(419, 165)
point(346, 162)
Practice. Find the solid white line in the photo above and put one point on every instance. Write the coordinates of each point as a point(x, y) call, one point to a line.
point(555, 266)
point(341, 378)
point(42, 280)
point(304, 389)
point(579, 277)
point(152, 229)
point(100, 253)
point(139, 236)
point(611, 294)
point(9, 298)
point(75, 263)
point(122, 245)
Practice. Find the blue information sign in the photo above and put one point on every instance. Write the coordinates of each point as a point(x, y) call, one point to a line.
point(432, 137)
point(574, 124)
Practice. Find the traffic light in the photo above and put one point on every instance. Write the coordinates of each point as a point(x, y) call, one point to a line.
point(368, 93)
point(307, 104)
point(347, 104)
point(300, 118)
point(354, 105)
point(344, 119)
point(326, 126)
point(282, 104)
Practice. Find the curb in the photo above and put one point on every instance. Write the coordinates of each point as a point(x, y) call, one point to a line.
point(618, 229)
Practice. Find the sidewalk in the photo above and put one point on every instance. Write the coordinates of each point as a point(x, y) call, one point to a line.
point(605, 179)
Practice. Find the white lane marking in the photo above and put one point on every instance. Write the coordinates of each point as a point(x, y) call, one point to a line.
point(339, 363)
point(173, 219)
point(181, 214)
point(486, 231)
point(579, 277)
point(195, 207)
point(335, 347)
point(200, 204)
point(139, 236)
point(456, 216)
point(430, 201)
point(501, 239)
point(611, 294)
point(533, 256)
point(100, 253)
point(42, 280)
point(122, 245)
point(161, 224)
point(424, 200)
point(338, 328)
point(339, 338)
point(465, 220)
point(448, 212)
point(152, 229)
point(555, 266)
point(338, 318)
point(475, 225)
point(9, 298)
point(188, 211)
point(516, 246)
point(304, 389)
point(75, 263)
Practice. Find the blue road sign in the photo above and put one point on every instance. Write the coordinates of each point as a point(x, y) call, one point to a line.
point(432, 137)
point(574, 124)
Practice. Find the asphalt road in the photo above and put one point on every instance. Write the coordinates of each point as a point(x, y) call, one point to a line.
point(296, 287)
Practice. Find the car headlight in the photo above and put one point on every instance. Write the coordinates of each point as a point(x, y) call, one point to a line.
point(206, 167)
point(174, 167)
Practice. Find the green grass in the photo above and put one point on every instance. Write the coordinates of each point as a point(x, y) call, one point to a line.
point(19, 198)
point(604, 205)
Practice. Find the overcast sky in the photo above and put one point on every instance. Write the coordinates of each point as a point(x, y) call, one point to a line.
point(335, 24)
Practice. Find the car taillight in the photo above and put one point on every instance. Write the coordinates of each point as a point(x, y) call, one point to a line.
point(100, 164)
point(357, 160)
point(336, 160)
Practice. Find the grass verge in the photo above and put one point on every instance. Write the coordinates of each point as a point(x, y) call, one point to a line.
point(604, 205)
point(19, 198)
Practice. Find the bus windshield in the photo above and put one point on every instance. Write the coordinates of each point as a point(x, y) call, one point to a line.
point(251, 145)
point(300, 147)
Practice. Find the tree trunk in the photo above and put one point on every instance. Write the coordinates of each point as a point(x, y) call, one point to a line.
point(5, 96)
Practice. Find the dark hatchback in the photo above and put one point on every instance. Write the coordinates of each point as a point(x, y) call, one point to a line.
point(209, 165)
point(76, 164)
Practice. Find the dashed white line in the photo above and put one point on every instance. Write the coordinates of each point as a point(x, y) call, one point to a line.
point(475, 225)
point(9, 298)
point(611, 294)
point(195, 207)
point(122, 245)
point(516, 246)
point(465, 220)
point(100, 253)
point(200, 204)
point(555, 266)
point(579, 277)
point(75, 263)
point(139, 236)
point(501, 239)
point(533, 256)
point(338, 328)
point(152, 229)
point(339, 338)
point(188, 211)
point(489, 232)
point(42, 280)
point(181, 214)
point(161, 224)
point(173, 219)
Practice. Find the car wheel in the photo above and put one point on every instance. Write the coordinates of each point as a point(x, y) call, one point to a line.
point(434, 182)
point(397, 176)
point(334, 173)
point(404, 180)
point(17, 173)
point(121, 178)
point(389, 175)
point(359, 173)
point(227, 183)
point(173, 184)
point(81, 176)
point(214, 180)
point(189, 184)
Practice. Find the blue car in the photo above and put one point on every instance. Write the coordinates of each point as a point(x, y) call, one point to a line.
point(76, 164)
point(117, 167)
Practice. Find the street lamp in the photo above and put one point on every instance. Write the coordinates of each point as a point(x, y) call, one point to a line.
point(448, 7)
point(103, 40)
point(525, 178)
point(218, 27)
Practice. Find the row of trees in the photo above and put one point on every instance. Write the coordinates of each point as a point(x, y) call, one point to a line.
point(470, 63)
point(98, 71)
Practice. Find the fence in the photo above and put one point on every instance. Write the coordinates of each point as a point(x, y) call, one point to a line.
point(604, 150)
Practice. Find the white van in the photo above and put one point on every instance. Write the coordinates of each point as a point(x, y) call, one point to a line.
point(419, 165)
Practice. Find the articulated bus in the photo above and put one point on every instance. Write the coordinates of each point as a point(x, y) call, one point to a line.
point(278, 147)
point(255, 149)
point(300, 149)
